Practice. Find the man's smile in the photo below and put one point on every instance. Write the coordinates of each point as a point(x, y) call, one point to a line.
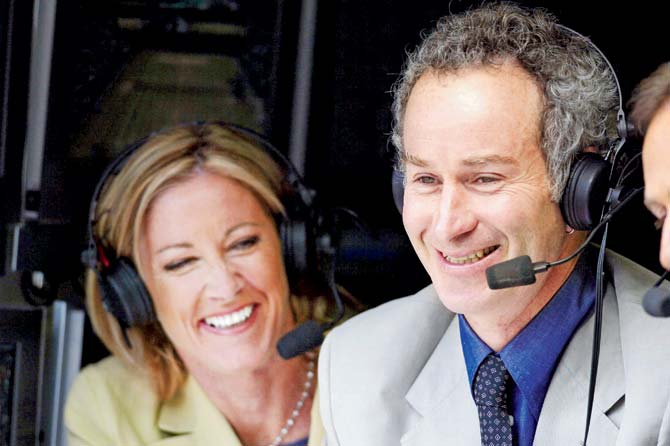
point(470, 258)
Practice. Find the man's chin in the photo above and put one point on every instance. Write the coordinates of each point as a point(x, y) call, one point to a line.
point(458, 301)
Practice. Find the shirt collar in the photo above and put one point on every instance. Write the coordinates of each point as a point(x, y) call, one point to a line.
point(531, 356)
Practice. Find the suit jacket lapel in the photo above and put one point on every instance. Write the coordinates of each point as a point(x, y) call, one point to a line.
point(190, 418)
point(563, 417)
point(441, 396)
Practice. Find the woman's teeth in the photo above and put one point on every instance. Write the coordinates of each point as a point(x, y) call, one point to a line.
point(231, 319)
point(471, 258)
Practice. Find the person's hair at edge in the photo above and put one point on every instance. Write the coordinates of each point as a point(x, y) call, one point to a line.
point(580, 94)
point(649, 95)
point(164, 159)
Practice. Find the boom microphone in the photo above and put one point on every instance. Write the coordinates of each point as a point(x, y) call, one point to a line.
point(304, 337)
point(309, 334)
point(521, 270)
point(515, 272)
point(656, 301)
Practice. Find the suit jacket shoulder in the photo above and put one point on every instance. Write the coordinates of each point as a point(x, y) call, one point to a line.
point(112, 404)
point(396, 375)
point(403, 331)
point(109, 403)
point(645, 355)
point(379, 354)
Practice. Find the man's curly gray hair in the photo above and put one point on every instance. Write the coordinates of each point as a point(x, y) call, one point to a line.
point(580, 94)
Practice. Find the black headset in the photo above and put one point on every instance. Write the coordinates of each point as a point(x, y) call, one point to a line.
point(586, 193)
point(301, 231)
point(587, 189)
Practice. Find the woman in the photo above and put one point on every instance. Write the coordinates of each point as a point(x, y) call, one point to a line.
point(194, 211)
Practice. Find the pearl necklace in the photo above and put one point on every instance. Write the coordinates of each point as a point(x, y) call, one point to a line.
point(301, 402)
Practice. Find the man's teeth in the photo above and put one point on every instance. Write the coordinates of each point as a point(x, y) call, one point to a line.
point(230, 319)
point(471, 258)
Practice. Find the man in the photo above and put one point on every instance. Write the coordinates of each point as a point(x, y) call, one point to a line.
point(651, 116)
point(490, 112)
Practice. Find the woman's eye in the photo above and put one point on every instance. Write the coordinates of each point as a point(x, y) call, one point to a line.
point(178, 264)
point(245, 243)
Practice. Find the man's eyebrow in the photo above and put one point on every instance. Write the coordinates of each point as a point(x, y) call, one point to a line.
point(651, 202)
point(490, 159)
point(407, 158)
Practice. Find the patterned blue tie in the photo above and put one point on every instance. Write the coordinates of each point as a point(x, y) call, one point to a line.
point(491, 400)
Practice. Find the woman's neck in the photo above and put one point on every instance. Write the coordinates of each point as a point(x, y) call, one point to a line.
point(258, 403)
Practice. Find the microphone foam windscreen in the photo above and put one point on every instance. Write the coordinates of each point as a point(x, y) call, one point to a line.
point(656, 302)
point(515, 272)
point(301, 339)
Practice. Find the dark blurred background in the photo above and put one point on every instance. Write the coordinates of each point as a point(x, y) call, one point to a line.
point(81, 80)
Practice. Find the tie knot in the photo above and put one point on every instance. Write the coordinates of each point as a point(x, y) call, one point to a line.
point(490, 385)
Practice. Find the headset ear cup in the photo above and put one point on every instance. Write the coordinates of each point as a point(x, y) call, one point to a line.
point(295, 248)
point(124, 294)
point(586, 191)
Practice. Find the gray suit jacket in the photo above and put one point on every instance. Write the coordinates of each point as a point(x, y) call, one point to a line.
point(395, 375)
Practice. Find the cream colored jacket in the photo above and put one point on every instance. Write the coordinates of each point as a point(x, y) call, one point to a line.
point(395, 375)
point(110, 404)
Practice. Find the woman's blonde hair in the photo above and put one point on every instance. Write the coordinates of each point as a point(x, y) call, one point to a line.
point(162, 160)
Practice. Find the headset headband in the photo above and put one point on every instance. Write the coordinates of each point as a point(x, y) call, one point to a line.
point(621, 123)
point(292, 176)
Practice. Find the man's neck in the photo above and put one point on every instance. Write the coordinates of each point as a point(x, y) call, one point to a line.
point(498, 328)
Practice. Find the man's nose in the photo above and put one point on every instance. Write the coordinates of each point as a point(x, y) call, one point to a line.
point(454, 216)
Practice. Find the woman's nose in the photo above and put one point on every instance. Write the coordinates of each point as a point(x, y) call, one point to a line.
point(224, 281)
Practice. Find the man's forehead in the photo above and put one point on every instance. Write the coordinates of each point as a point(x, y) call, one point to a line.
point(474, 117)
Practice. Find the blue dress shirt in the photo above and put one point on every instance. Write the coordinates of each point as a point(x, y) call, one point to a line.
point(531, 357)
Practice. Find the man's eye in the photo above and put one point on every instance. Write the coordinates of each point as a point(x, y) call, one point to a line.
point(245, 243)
point(486, 179)
point(658, 224)
point(659, 212)
point(425, 179)
point(178, 264)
